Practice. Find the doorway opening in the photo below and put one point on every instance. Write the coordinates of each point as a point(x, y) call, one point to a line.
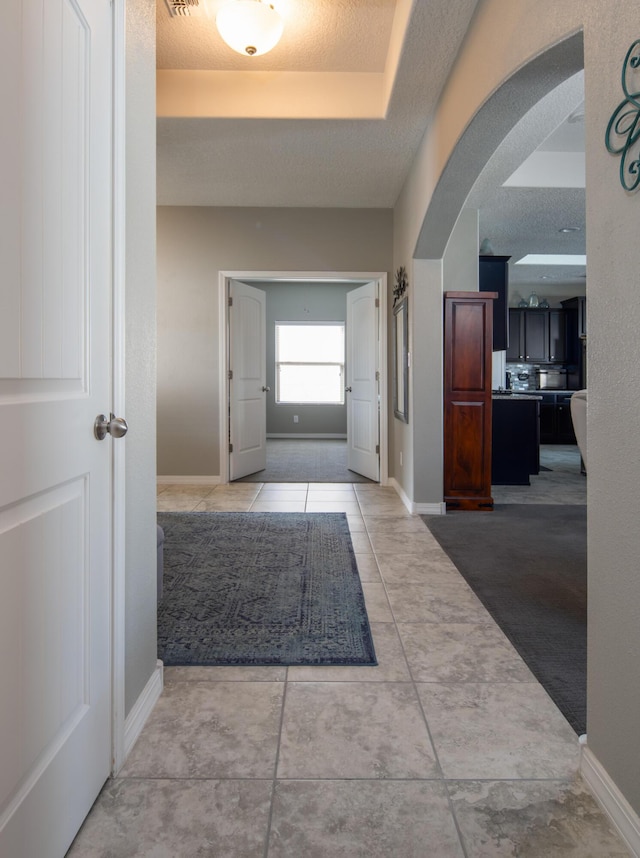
point(341, 442)
point(305, 460)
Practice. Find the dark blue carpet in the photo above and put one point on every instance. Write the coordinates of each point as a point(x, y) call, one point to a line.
point(261, 589)
point(527, 563)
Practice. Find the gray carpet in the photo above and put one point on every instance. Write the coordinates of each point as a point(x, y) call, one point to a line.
point(261, 589)
point(304, 460)
point(527, 563)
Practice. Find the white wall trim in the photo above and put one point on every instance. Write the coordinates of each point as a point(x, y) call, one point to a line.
point(401, 493)
point(142, 708)
point(322, 276)
point(118, 559)
point(213, 480)
point(309, 436)
point(417, 508)
point(608, 795)
point(429, 508)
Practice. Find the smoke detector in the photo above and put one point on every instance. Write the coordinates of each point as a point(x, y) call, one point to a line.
point(187, 8)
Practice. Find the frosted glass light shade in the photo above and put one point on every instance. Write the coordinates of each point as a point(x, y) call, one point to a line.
point(250, 27)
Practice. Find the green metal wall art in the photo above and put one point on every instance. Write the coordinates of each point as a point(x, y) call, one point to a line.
point(401, 284)
point(623, 131)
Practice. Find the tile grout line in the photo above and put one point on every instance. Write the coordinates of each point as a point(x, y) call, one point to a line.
point(274, 779)
point(441, 779)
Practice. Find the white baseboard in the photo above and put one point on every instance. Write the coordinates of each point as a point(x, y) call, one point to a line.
point(194, 481)
point(417, 508)
point(430, 508)
point(401, 493)
point(141, 709)
point(311, 436)
point(608, 795)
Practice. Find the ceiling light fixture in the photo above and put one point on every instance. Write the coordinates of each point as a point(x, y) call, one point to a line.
point(569, 229)
point(250, 27)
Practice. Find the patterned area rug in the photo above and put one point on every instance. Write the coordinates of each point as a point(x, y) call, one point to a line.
point(261, 589)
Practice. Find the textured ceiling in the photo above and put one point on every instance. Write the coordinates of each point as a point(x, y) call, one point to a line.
point(319, 36)
point(518, 221)
point(318, 162)
point(301, 163)
point(408, 47)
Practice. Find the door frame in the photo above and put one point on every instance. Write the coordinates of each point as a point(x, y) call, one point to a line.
point(358, 278)
point(118, 522)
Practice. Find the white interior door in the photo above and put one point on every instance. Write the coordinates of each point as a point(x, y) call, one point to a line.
point(248, 379)
point(363, 419)
point(55, 377)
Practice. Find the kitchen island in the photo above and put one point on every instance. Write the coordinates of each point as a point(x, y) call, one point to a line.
point(515, 446)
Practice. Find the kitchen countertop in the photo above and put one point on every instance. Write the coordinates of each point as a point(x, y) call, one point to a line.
point(516, 396)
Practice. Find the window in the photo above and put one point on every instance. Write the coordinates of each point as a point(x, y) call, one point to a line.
point(310, 363)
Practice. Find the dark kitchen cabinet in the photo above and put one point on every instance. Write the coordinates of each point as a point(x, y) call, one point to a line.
point(548, 419)
point(515, 349)
point(515, 447)
point(579, 306)
point(564, 421)
point(493, 276)
point(468, 354)
point(557, 336)
point(537, 336)
point(575, 310)
point(556, 424)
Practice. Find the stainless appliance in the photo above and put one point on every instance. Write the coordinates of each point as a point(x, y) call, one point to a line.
point(551, 379)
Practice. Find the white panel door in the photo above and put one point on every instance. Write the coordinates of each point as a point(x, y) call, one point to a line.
point(55, 377)
point(247, 385)
point(363, 421)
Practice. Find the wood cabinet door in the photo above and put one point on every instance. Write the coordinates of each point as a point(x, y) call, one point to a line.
point(515, 350)
point(536, 336)
point(547, 422)
point(557, 336)
point(468, 333)
point(564, 424)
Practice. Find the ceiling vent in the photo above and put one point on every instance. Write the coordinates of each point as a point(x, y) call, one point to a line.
point(187, 8)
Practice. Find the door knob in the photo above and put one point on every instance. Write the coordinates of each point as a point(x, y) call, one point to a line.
point(347, 390)
point(115, 426)
point(266, 389)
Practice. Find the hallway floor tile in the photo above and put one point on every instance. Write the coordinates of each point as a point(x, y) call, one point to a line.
point(448, 748)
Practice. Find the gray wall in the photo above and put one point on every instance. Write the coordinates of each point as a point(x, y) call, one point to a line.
point(460, 260)
point(302, 302)
point(140, 592)
point(194, 244)
point(613, 253)
point(519, 33)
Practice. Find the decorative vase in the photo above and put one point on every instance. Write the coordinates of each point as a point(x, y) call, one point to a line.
point(533, 300)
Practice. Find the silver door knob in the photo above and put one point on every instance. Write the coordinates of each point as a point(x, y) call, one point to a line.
point(266, 389)
point(347, 390)
point(115, 426)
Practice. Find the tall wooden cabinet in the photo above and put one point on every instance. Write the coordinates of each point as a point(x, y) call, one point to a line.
point(468, 340)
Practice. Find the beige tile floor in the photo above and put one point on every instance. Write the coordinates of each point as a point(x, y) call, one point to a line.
point(449, 747)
